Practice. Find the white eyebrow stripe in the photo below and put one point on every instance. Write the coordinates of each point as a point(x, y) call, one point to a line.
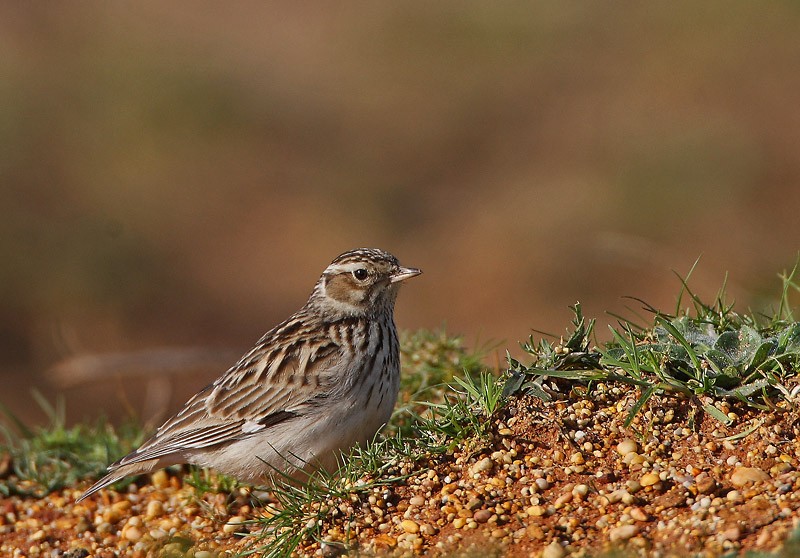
point(344, 268)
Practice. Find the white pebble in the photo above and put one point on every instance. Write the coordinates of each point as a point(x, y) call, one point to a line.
point(742, 476)
point(553, 550)
point(623, 533)
point(233, 524)
point(483, 465)
point(735, 496)
point(626, 446)
point(133, 534)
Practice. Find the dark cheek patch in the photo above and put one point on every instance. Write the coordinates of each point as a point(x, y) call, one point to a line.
point(343, 289)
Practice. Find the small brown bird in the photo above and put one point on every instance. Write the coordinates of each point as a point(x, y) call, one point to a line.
point(314, 386)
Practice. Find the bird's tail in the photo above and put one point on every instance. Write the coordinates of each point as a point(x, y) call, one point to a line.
point(119, 473)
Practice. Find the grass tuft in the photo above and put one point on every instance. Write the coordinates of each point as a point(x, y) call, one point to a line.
point(51, 457)
point(431, 360)
point(707, 352)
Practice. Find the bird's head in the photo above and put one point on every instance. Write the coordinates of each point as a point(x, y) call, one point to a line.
point(361, 282)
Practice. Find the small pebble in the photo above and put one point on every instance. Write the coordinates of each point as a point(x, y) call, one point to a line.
point(121, 506)
point(234, 524)
point(616, 496)
point(133, 534)
point(158, 534)
point(553, 550)
point(780, 468)
point(409, 526)
point(580, 491)
point(536, 511)
point(633, 486)
point(649, 479)
point(483, 465)
point(742, 476)
point(639, 514)
point(626, 446)
point(563, 499)
point(623, 533)
point(331, 550)
point(735, 496)
point(474, 504)
point(154, 509)
point(428, 530)
point(160, 479)
point(706, 485)
point(731, 534)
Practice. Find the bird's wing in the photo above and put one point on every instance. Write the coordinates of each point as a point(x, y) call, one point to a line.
point(273, 383)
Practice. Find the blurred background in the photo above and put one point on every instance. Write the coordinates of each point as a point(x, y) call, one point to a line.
point(174, 176)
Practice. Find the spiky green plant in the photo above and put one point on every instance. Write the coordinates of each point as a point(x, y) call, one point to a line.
point(707, 350)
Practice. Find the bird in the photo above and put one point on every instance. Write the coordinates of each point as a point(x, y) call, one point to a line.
point(319, 383)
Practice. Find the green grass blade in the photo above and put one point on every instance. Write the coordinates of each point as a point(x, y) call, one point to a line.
point(673, 331)
point(584, 375)
point(744, 433)
point(716, 413)
point(641, 402)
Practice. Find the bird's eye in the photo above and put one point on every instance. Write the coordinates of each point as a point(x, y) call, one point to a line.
point(360, 274)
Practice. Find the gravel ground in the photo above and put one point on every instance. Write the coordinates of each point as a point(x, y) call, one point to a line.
point(555, 479)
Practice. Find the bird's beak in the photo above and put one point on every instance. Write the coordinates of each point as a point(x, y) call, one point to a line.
point(404, 273)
